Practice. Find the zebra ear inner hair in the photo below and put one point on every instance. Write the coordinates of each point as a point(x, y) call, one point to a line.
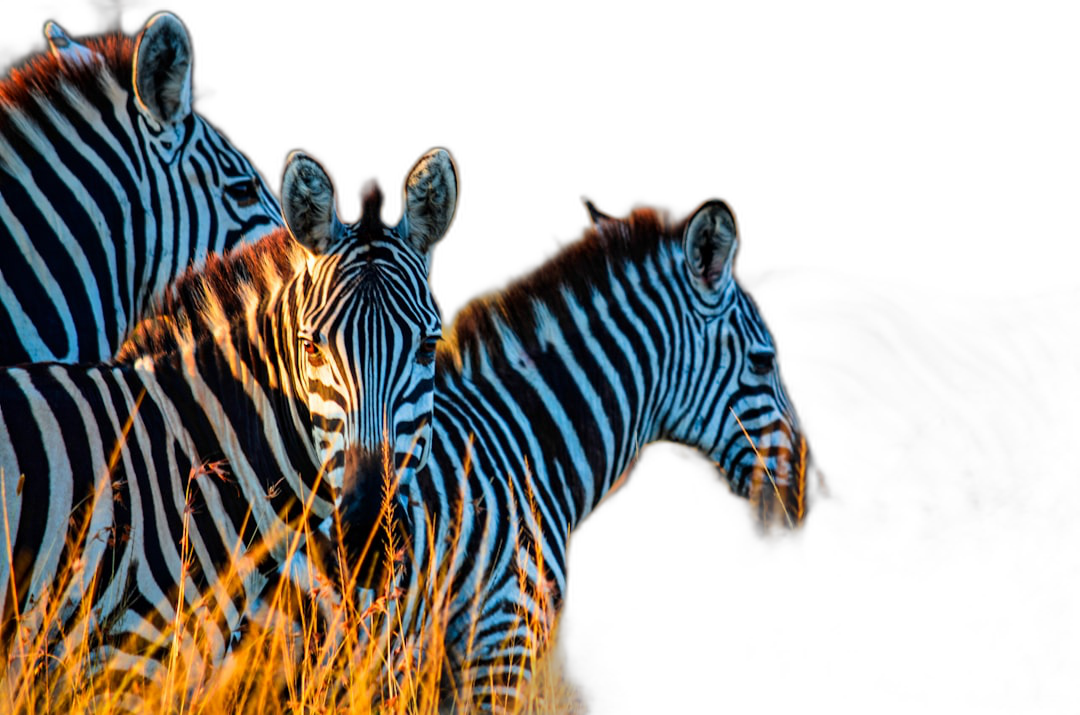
point(431, 191)
point(710, 242)
point(307, 204)
point(162, 70)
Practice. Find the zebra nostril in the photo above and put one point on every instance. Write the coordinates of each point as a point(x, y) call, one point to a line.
point(363, 471)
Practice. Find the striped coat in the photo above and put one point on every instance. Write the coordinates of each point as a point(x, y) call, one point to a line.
point(545, 393)
point(110, 187)
point(186, 477)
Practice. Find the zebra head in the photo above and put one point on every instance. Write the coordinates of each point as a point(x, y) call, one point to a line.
point(205, 193)
point(363, 344)
point(735, 407)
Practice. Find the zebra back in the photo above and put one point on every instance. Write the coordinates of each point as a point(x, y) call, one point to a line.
point(110, 187)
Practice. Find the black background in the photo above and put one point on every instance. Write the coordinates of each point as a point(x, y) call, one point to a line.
point(894, 176)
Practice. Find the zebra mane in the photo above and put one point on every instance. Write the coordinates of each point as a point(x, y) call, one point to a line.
point(589, 262)
point(220, 292)
point(41, 74)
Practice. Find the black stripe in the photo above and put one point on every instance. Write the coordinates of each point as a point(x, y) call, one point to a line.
point(25, 441)
point(141, 471)
point(28, 290)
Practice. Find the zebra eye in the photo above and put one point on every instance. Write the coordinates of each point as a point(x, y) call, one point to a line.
point(315, 357)
point(761, 363)
point(426, 354)
point(244, 193)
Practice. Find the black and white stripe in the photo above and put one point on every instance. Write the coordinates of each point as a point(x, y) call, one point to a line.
point(250, 403)
point(110, 187)
point(545, 393)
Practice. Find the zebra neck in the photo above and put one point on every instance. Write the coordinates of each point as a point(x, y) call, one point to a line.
point(164, 228)
point(581, 385)
point(96, 223)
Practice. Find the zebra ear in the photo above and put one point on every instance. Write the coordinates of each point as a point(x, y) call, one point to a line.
point(430, 200)
point(709, 242)
point(596, 215)
point(162, 70)
point(66, 49)
point(307, 204)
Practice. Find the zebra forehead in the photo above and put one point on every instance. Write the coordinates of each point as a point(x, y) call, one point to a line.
point(377, 284)
point(384, 277)
point(370, 310)
point(747, 312)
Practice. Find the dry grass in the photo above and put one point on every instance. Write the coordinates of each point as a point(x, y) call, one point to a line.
point(314, 647)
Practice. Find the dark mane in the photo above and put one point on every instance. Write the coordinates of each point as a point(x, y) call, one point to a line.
point(249, 271)
point(40, 74)
point(579, 267)
point(371, 201)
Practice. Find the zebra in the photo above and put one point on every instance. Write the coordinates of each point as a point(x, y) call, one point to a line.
point(110, 187)
point(258, 393)
point(546, 391)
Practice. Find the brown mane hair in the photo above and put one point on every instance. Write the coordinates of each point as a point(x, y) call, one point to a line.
point(579, 267)
point(41, 73)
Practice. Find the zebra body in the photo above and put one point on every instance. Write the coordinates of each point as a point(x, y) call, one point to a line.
point(186, 475)
point(110, 187)
point(545, 393)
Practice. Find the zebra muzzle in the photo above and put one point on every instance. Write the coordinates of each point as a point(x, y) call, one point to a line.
point(373, 522)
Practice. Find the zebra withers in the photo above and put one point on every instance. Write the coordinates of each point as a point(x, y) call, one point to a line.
point(110, 187)
point(186, 475)
point(545, 393)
